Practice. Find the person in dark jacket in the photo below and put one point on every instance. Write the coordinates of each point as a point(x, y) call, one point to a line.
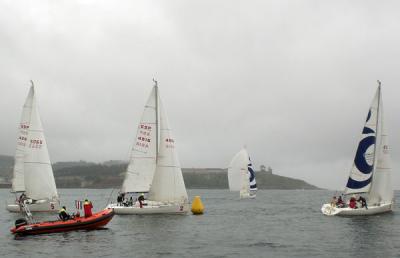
point(63, 215)
point(363, 202)
point(141, 200)
point(119, 199)
point(340, 202)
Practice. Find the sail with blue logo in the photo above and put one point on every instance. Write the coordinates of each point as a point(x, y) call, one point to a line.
point(370, 175)
point(241, 175)
point(252, 178)
point(371, 170)
point(361, 173)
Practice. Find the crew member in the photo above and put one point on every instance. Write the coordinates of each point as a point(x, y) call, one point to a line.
point(119, 199)
point(63, 215)
point(87, 207)
point(363, 202)
point(22, 198)
point(352, 203)
point(141, 200)
point(333, 201)
point(340, 202)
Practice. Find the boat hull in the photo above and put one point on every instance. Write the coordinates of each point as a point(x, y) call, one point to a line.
point(249, 196)
point(329, 210)
point(151, 208)
point(52, 206)
point(97, 220)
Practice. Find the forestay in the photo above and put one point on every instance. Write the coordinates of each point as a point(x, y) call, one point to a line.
point(142, 163)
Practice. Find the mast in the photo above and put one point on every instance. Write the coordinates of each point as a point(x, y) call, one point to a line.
point(377, 129)
point(157, 123)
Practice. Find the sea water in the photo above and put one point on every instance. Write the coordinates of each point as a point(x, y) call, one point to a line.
point(278, 223)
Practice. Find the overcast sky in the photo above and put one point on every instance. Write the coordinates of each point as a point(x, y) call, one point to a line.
point(293, 80)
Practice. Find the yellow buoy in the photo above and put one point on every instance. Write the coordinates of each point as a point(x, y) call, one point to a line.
point(197, 206)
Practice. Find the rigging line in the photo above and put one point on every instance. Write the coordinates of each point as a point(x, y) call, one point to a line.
point(108, 201)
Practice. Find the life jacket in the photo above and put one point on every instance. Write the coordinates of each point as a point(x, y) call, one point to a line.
point(62, 210)
point(87, 207)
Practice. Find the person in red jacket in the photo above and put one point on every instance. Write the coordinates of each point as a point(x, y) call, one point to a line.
point(352, 203)
point(87, 207)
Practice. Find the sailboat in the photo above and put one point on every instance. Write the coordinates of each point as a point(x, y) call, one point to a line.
point(154, 166)
point(371, 170)
point(241, 175)
point(32, 174)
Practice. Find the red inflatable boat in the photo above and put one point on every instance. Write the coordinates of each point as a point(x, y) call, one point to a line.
point(95, 221)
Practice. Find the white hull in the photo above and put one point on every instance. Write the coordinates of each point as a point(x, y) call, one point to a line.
point(151, 208)
point(53, 206)
point(328, 210)
point(251, 196)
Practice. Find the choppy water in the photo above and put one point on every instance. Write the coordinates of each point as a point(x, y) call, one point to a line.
point(276, 224)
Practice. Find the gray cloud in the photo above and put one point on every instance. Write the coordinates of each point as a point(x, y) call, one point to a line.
point(292, 80)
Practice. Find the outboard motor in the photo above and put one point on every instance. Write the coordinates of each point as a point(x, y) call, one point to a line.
point(20, 222)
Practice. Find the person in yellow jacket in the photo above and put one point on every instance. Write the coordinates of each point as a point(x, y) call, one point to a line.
point(63, 215)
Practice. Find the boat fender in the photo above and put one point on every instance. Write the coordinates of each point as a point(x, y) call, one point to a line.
point(197, 206)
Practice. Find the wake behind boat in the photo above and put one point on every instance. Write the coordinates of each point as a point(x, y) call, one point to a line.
point(154, 167)
point(370, 174)
point(33, 178)
point(241, 175)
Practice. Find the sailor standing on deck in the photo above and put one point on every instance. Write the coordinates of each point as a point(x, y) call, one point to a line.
point(141, 200)
point(119, 199)
point(87, 207)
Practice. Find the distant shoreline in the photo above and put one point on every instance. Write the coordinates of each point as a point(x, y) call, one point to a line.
point(110, 175)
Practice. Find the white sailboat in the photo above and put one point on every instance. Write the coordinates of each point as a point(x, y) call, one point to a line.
point(241, 175)
point(154, 166)
point(33, 175)
point(371, 171)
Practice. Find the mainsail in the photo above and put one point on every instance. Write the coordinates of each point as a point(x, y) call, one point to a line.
point(38, 174)
point(381, 188)
point(167, 184)
point(18, 184)
point(142, 163)
point(237, 171)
